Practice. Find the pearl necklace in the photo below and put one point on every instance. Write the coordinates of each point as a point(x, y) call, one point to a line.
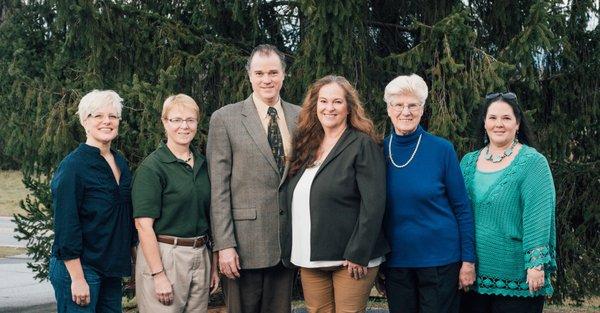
point(498, 158)
point(411, 157)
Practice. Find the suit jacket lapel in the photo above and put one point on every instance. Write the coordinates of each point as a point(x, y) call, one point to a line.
point(256, 131)
point(290, 119)
point(347, 138)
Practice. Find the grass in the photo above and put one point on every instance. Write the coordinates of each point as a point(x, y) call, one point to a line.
point(13, 191)
point(590, 305)
point(10, 251)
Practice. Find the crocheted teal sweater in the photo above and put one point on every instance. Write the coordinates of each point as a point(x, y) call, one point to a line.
point(514, 225)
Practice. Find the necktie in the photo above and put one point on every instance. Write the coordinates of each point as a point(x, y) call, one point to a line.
point(275, 141)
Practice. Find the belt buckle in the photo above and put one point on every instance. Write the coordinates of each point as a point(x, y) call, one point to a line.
point(195, 242)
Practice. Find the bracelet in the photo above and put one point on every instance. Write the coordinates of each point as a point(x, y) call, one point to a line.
point(154, 274)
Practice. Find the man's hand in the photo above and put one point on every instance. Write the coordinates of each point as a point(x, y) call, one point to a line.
point(466, 277)
point(229, 263)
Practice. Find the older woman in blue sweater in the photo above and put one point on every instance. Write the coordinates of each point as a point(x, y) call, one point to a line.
point(429, 222)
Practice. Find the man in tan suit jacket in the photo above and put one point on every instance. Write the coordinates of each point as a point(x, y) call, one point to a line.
point(245, 178)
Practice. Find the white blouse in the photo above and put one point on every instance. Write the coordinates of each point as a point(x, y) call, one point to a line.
point(301, 225)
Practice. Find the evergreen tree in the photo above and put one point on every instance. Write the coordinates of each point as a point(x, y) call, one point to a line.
point(52, 52)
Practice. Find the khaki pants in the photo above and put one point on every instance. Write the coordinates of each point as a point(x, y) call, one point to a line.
point(187, 268)
point(329, 291)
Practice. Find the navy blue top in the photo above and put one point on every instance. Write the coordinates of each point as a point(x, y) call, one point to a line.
point(92, 213)
point(429, 221)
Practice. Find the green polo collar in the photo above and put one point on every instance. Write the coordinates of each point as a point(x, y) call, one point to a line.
point(164, 155)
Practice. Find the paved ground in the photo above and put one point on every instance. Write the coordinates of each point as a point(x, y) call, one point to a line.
point(19, 292)
point(7, 238)
point(18, 289)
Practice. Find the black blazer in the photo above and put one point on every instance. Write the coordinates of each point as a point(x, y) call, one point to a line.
point(347, 203)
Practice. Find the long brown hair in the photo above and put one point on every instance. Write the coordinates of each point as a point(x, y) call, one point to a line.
point(309, 133)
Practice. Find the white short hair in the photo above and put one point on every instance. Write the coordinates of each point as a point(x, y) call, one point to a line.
point(406, 85)
point(97, 99)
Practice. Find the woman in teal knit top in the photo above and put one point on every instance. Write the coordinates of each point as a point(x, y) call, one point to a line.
point(513, 198)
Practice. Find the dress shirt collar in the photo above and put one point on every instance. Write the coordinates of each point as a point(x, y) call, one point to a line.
point(262, 107)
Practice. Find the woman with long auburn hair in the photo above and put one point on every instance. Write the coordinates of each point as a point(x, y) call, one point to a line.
point(310, 132)
point(334, 199)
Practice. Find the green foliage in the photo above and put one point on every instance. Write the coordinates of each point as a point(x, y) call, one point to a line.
point(578, 230)
point(35, 226)
point(52, 52)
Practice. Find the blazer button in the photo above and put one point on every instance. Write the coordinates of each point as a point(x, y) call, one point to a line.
point(281, 212)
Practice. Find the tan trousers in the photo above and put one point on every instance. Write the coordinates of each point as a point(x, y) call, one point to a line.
point(329, 291)
point(187, 268)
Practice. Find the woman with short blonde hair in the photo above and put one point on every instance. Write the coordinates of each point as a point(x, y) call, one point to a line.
point(171, 200)
point(91, 199)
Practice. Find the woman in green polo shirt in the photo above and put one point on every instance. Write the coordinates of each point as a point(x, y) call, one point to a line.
point(171, 201)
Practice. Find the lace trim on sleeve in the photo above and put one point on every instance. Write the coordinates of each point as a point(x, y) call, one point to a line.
point(544, 255)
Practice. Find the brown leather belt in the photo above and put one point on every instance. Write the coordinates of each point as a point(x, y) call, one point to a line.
point(197, 242)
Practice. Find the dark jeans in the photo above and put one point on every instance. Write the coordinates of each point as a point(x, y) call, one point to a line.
point(472, 302)
point(105, 292)
point(423, 290)
point(265, 290)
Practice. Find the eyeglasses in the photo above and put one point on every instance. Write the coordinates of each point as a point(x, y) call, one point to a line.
point(506, 96)
point(102, 117)
point(412, 107)
point(179, 121)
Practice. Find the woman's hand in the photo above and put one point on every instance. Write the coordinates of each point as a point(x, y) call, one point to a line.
point(466, 277)
point(80, 292)
point(380, 283)
point(163, 288)
point(214, 273)
point(535, 279)
point(356, 271)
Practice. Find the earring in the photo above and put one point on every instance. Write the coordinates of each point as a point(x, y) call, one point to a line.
point(485, 139)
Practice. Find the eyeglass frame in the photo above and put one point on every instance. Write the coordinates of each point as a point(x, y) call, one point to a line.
point(396, 106)
point(190, 121)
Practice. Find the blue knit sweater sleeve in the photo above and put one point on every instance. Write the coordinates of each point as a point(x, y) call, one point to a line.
point(461, 206)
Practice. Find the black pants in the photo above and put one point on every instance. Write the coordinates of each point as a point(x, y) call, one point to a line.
point(423, 290)
point(473, 302)
point(265, 290)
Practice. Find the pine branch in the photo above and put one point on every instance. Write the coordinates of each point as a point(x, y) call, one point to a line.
point(390, 25)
